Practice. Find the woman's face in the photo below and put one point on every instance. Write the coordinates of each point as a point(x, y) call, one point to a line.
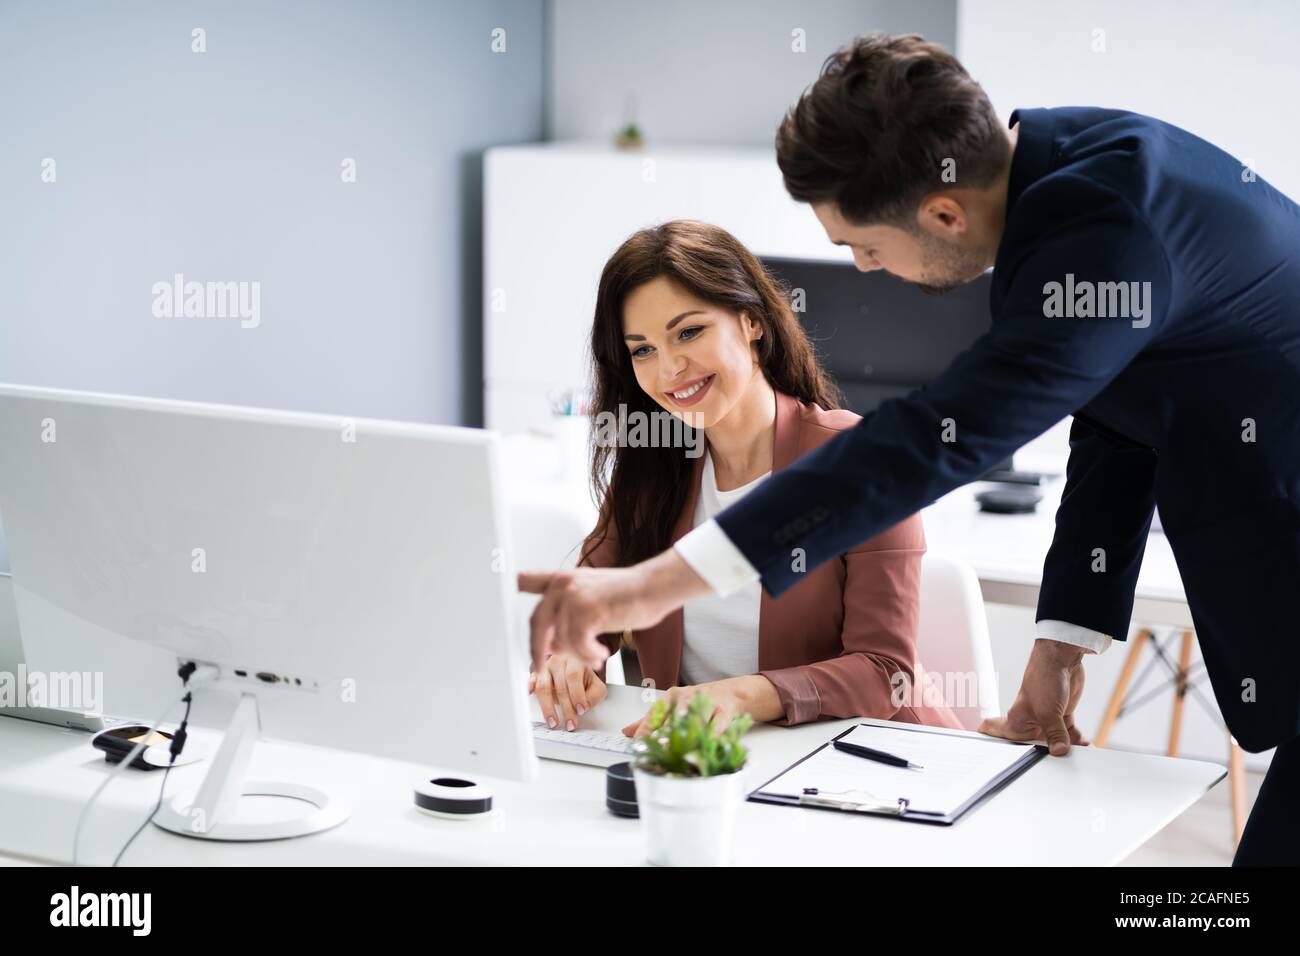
point(695, 359)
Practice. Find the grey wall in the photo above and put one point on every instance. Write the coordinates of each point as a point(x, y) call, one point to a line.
point(226, 165)
point(1226, 73)
point(716, 72)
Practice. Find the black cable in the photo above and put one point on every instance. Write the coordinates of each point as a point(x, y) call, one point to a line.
point(177, 745)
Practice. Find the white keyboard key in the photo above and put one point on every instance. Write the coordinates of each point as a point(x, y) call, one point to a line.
point(596, 748)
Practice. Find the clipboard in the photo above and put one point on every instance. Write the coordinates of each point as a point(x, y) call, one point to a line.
point(901, 807)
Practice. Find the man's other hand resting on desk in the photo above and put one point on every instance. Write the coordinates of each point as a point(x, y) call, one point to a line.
point(1049, 693)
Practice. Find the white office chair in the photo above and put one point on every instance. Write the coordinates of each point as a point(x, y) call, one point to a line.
point(953, 639)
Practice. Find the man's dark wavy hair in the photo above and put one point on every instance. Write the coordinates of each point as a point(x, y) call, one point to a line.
point(873, 132)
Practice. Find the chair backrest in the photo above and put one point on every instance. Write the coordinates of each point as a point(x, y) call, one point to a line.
point(953, 639)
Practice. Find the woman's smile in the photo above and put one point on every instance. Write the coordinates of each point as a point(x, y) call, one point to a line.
point(693, 392)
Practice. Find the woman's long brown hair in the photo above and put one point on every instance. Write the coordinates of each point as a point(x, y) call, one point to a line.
point(641, 491)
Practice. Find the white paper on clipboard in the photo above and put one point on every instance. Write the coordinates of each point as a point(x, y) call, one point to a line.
point(957, 770)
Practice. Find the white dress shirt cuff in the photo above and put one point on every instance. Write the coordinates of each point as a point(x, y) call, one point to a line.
point(1068, 633)
point(712, 556)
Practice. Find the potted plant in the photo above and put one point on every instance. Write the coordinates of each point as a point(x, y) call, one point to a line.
point(689, 783)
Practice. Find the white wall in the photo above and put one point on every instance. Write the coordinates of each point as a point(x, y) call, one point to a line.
point(1227, 72)
point(715, 72)
point(538, 322)
point(226, 165)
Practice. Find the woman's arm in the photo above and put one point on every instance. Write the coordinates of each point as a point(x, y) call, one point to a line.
point(882, 594)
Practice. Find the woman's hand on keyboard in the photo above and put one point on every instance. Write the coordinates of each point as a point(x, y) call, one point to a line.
point(753, 694)
point(566, 682)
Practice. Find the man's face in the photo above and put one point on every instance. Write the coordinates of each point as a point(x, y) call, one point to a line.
point(936, 257)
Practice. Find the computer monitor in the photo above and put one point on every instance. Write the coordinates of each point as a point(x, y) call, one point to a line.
point(878, 336)
point(42, 701)
point(350, 581)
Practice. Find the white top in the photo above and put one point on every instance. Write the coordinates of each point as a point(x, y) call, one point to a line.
point(713, 556)
point(720, 632)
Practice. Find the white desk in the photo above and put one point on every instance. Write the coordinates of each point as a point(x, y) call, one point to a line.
point(1007, 553)
point(1092, 808)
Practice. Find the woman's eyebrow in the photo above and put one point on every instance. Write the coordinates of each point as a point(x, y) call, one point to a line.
point(669, 327)
point(674, 321)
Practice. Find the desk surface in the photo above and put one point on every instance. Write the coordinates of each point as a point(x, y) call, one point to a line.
point(1092, 808)
point(1007, 553)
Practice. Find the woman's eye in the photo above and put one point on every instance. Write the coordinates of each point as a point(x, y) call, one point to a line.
point(640, 352)
point(689, 333)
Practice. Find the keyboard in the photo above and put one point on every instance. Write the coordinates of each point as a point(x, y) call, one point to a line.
point(596, 748)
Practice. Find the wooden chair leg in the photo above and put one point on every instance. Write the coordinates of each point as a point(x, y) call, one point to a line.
point(1236, 763)
point(1121, 687)
point(1180, 693)
point(1237, 785)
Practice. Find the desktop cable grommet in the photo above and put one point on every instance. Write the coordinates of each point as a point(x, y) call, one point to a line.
point(453, 798)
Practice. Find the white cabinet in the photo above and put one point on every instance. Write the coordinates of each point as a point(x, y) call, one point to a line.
point(555, 212)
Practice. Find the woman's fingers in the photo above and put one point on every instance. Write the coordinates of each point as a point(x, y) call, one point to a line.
point(575, 687)
point(596, 689)
point(720, 718)
point(545, 693)
point(566, 689)
point(559, 680)
point(639, 727)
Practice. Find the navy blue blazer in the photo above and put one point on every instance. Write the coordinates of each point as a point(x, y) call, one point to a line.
point(1187, 396)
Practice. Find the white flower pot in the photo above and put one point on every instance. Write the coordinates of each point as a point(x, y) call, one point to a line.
point(688, 821)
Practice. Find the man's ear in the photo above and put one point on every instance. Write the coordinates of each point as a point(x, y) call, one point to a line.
point(940, 214)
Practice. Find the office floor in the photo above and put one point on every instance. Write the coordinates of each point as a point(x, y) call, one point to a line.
point(1200, 837)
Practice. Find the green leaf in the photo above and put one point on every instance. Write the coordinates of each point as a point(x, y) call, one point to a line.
point(685, 741)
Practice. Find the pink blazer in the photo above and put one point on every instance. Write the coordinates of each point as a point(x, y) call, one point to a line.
point(831, 644)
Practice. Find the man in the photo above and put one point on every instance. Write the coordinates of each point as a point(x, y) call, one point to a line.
point(1145, 282)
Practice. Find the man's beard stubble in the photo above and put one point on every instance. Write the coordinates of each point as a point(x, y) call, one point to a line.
point(948, 266)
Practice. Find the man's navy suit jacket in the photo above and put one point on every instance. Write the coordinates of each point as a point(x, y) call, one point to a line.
point(1193, 406)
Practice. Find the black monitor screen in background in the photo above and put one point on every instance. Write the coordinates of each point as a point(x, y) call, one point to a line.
point(878, 336)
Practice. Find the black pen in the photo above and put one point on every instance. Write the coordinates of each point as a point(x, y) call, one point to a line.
point(843, 746)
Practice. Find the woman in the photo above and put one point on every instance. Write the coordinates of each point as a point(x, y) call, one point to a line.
point(689, 323)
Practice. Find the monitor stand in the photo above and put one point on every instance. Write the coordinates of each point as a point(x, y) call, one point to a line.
point(228, 807)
